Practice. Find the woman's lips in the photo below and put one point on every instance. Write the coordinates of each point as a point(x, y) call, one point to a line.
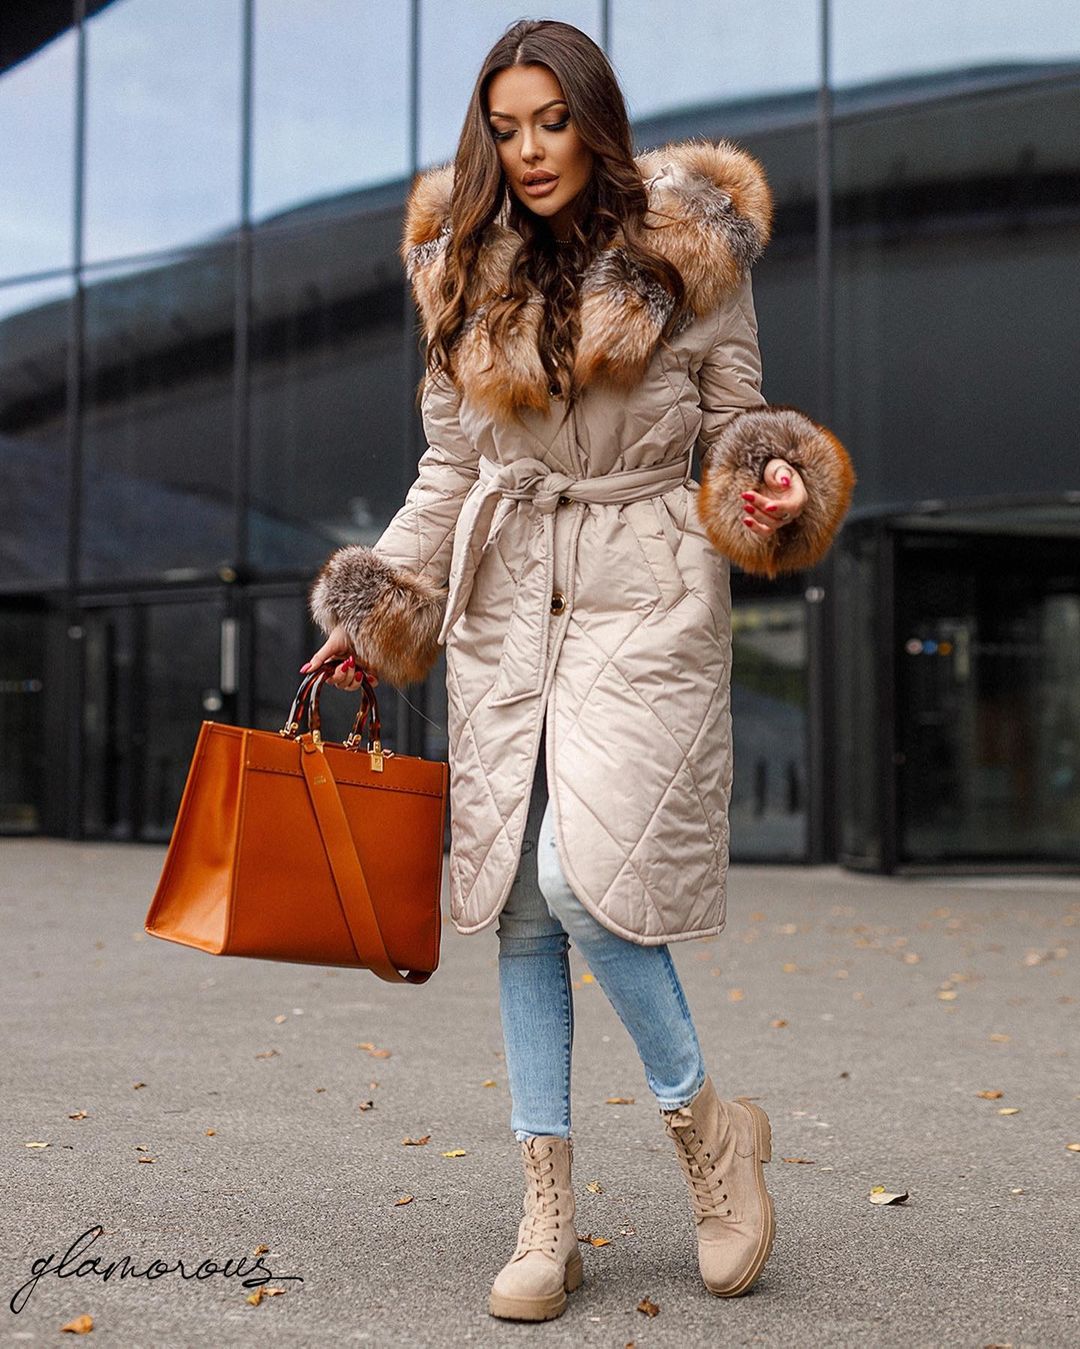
point(540, 189)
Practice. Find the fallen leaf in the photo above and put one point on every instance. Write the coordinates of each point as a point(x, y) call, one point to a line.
point(789, 967)
point(146, 1159)
point(990, 1095)
point(280, 1019)
point(375, 1053)
point(779, 1021)
point(648, 1307)
point(456, 1152)
point(1009, 1110)
point(947, 994)
point(999, 1038)
point(619, 1100)
point(366, 1105)
point(136, 1085)
point(260, 1250)
point(257, 1296)
point(405, 1199)
point(600, 1241)
point(267, 1054)
point(879, 1195)
point(211, 1133)
point(79, 1114)
point(39, 1145)
point(588, 979)
point(82, 1325)
point(417, 1142)
point(1073, 1147)
point(803, 1161)
point(735, 995)
point(594, 1187)
point(489, 1083)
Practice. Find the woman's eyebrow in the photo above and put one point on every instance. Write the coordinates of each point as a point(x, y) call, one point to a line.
point(507, 118)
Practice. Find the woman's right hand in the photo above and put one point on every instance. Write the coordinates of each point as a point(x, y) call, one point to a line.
point(347, 674)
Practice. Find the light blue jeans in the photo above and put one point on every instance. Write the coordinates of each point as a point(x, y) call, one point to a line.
point(540, 918)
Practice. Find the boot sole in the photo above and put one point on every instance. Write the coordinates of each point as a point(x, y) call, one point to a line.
point(762, 1153)
point(539, 1308)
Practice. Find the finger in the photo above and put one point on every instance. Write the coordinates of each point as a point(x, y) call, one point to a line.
point(328, 649)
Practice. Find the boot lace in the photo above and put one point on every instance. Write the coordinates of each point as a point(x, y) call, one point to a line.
point(540, 1230)
point(699, 1165)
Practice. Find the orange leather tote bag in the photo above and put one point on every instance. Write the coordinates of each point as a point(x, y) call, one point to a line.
point(286, 847)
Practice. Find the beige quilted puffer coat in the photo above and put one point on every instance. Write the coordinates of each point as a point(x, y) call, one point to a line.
point(573, 568)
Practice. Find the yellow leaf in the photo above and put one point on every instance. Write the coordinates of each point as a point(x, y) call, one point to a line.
point(405, 1199)
point(456, 1152)
point(79, 1114)
point(210, 1133)
point(1009, 1110)
point(879, 1195)
point(260, 1250)
point(947, 994)
point(489, 1083)
point(82, 1325)
point(600, 1241)
point(789, 967)
point(990, 1095)
point(594, 1187)
point(280, 1019)
point(380, 1053)
point(619, 1100)
point(146, 1159)
point(588, 979)
point(735, 995)
point(39, 1145)
point(999, 1038)
point(1073, 1147)
point(136, 1085)
point(648, 1307)
point(807, 1161)
point(778, 1021)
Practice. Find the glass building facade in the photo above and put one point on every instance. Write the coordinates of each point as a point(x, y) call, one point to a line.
point(208, 356)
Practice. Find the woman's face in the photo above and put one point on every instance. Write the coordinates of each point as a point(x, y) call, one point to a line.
point(536, 138)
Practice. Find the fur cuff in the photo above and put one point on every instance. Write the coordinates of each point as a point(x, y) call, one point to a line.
point(735, 464)
point(390, 615)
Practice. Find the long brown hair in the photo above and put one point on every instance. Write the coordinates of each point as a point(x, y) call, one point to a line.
point(614, 200)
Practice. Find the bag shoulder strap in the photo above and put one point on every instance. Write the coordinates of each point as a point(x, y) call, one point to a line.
point(349, 879)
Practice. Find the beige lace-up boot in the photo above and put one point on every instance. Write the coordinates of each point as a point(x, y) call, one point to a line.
point(546, 1264)
point(721, 1146)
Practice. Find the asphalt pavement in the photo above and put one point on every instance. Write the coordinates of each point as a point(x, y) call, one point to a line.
point(196, 1109)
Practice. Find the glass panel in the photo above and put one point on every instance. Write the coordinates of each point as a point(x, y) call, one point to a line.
point(330, 394)
point(769, 725)
point(858, 645)
point(22, 721)
point(956, 325)
point(331, 101)
point(967, 37)
point(989, 699)
point(158, 419)
point(151, 678)
point(34, 327)
point(455, 36)
point(162, 124)
point(284, 639)
point(37, 155)
point(713, 53)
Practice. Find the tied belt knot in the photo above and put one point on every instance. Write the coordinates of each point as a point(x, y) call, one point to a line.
point(522, 662)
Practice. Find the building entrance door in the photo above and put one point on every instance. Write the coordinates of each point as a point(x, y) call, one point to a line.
point(153, 671)
point(987, 642)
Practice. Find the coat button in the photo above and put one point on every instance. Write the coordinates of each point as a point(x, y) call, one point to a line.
point(558, 602)
point(564, 501)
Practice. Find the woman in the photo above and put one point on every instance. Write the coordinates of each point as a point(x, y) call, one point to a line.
point(589, 323)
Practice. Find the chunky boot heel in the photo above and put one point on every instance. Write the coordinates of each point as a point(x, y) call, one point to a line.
point(546, 1265)
point(721, 1146)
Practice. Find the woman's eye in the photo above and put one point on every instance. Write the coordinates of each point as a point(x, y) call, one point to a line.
point(547, 126)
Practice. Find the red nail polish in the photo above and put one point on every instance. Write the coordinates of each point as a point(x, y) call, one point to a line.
point(786, 482)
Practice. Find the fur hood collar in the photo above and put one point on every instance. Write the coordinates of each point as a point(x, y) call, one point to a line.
point(720, 218)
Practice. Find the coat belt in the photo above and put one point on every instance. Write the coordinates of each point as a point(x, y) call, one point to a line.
point(521, 667)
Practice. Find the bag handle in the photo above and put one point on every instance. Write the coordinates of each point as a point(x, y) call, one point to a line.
point(349, 879)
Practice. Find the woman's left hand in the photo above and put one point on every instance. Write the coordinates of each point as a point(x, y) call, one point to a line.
point(768, 512)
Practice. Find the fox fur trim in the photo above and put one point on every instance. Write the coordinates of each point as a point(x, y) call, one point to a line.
point(714, 210)
point(391, 616)
point(735, 463)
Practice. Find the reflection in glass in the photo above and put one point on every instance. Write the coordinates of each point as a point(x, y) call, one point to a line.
point(956, 324)
point(163, 118)
point(712, 52)
point(330, 395)
point(331, 100)
point(37, 158)
point(158, 419)
point(34, 343)
point(768, 813)
point(455, 36)
point(23, 776)
point(878, 42)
